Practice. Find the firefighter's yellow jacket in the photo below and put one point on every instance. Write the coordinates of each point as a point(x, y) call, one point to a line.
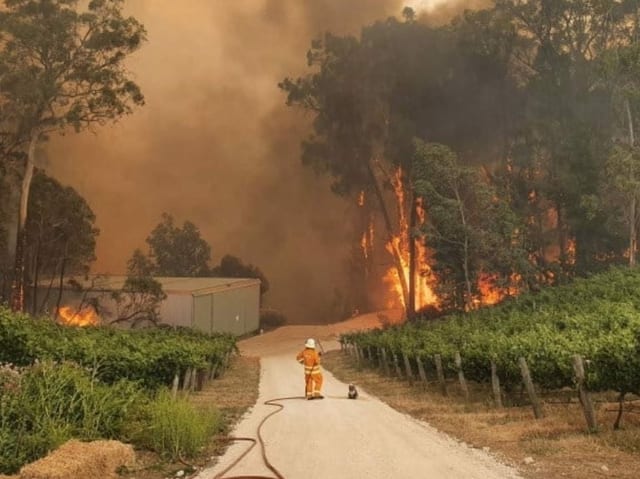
point(311, 360)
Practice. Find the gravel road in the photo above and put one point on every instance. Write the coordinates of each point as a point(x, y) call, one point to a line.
point(338, 438)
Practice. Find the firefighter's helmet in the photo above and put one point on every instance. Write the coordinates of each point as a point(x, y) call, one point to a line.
point(310, 343)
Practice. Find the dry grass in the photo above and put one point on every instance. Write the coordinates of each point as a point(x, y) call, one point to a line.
point(233, 393)
point(558, 443)
point(81, 459)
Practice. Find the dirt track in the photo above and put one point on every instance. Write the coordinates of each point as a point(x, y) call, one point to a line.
point(337, 438)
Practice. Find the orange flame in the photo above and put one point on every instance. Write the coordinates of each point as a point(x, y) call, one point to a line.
point(490, 294)
point(571, 251)
point(424, 294)
point(82, 318)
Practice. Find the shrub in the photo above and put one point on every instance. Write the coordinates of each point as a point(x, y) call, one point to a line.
point(152, 356)
point(177, 428)
point(51, 403)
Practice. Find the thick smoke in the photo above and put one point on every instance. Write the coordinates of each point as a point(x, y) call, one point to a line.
point(216, 145)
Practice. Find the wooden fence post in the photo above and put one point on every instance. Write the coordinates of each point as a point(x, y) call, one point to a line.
point(176, 382)
point(214, 369)
point(495, 385)
point(227, 360)
point(528, 383)
point(422, 372)
point(463, 382)
point(385, 362)
point(585, 398)
point(407, 366)
point(397, 365)
point(201, 378)
point(443, 385)
point(186, 379)
point(192, 381)
point(372, 356)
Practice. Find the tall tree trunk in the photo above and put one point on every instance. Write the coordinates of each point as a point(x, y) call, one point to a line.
point(413, 219)
point(17, 287)
point(61, 284)
point(43, 305)
point(36, 278)
point(397, 256)
point(633, 229)
point(562, 238)
point(465, 260)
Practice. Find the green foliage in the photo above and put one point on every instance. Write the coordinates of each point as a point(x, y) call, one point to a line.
point(92, 383)
point(598, 318)
point(471, 230)
point(176, 428)
point(61, 67)
point(50, 403)
point(177, 251)
point(151, 356)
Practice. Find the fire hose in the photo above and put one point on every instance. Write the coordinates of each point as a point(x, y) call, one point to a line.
point(265, 460)
point(272, 468)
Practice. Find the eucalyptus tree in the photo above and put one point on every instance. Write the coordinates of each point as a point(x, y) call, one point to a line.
point(233, 267)
point(62, 67)
point(371, 95)
point(560, 152)
point(472, 230)
point(137, 303)
point(174, 250)
point(61, 236)
point(620, 74)
point(349, 96)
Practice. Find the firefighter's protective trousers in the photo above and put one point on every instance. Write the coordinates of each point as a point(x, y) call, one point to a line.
point(312, 372)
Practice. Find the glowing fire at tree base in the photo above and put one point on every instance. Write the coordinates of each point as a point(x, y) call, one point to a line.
point(69, 316)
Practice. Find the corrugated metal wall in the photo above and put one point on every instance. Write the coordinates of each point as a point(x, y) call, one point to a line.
point(235, 310)
point(202, 311)
point(177, 310)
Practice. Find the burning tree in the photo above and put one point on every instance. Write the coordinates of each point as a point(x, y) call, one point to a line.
point(352, 108)
point(473, 231)
point(371, 96)
point(60, 68)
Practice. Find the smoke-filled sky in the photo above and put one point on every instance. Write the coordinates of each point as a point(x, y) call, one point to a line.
point(216, 145)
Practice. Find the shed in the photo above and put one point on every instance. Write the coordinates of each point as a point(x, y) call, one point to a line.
point(229, 305)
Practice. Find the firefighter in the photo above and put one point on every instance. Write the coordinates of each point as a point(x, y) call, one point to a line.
point(310, 358)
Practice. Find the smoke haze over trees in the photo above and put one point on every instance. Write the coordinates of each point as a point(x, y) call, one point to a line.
point(216, 145)
point(544, 112)
point(527, 92)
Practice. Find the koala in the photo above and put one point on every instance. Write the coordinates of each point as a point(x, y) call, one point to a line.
point(353, 392)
